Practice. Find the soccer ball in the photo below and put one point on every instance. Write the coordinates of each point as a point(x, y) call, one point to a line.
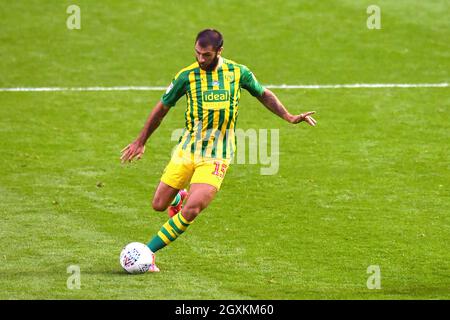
point(136, 257)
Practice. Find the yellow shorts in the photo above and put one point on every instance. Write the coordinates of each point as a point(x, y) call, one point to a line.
point(184, 167)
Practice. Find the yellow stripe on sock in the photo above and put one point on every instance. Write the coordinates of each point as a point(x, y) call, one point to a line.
point(180, 216)
point(178, 223)
point(170, 230)
point(163, 237)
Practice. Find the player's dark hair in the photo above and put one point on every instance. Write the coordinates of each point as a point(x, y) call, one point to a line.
point(210, 37)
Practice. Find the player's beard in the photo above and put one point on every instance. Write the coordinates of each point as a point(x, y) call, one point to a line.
point(212, 65)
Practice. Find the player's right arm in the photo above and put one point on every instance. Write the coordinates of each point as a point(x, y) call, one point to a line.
point(174, 92)
point(137, 148)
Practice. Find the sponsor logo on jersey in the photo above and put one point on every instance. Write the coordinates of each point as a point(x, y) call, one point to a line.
point(216, 95)
point(216, 99)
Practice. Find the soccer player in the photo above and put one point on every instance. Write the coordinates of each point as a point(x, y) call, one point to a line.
point(212, 86)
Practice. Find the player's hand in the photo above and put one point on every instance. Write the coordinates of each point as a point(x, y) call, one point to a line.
point(131, 151)
point(306, 116)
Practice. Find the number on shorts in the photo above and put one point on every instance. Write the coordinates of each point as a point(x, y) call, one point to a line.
point(218, 170)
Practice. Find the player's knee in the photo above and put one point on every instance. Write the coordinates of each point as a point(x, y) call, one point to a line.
point(158, 205)
point(191, 212)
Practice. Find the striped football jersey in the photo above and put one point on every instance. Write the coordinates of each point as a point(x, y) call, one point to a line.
point(212, 99)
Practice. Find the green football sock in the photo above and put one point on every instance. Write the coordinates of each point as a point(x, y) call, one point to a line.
point(169, 232)
point(176, 200)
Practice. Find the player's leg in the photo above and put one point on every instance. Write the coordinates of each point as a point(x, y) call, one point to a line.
point(199, 197)
point(177, 203)
point(175, 177)
point(205, 182)
point(163, 197)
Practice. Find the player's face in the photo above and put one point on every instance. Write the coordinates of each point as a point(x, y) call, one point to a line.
point(207, 57)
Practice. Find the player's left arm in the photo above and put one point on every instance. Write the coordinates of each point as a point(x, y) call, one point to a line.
point(270, 100)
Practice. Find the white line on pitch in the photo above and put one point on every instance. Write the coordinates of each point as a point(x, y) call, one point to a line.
point(359, 85)
point(269, 86)
point(124, 88)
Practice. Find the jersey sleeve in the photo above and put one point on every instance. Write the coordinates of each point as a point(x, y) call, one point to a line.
point(249, 82)
point(175, 90)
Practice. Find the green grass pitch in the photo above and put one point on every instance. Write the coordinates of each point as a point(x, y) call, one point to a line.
point(368, 186)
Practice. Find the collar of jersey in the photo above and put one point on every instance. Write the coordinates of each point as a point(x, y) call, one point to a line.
point(219, 64)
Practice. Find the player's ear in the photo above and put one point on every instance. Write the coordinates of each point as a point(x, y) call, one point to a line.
point(219, 51)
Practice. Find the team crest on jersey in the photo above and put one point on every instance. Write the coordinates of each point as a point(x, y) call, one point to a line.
point(228, 76)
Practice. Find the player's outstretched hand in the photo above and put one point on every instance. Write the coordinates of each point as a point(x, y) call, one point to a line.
point(304, 117)
point(131, 151)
